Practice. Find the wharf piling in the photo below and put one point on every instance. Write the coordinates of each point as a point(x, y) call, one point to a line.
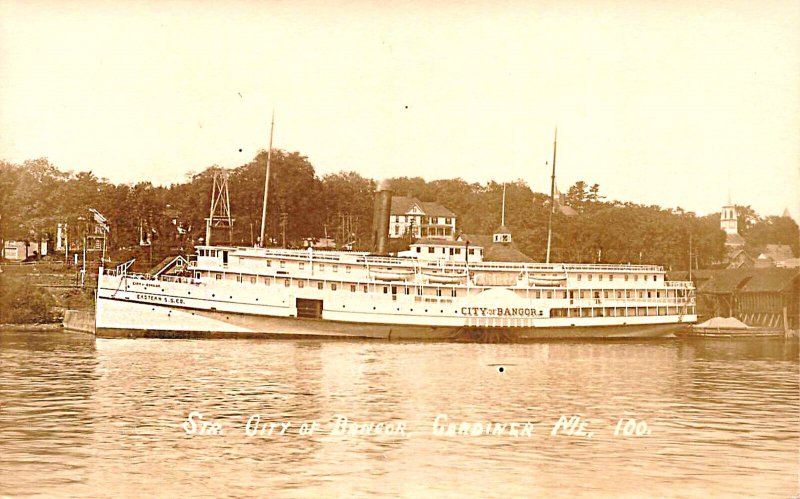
point(79, 320)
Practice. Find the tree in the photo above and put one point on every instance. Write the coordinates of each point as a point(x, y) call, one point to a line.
point(772, 230)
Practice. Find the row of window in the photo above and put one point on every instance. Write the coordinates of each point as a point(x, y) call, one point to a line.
point(302, 266)
point(417, 219)
point(611, 277)
point(618, 311)
point(334, 286)
point(451, 251)
point(609, 293)
point(445, 251)
point(536, 294)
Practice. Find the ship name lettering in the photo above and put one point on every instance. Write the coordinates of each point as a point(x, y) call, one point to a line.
point(501, 311)
point(344, 426)
point(256, 427)
point(161, 299)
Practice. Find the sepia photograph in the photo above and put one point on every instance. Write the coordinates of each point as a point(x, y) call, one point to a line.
point(260, 248)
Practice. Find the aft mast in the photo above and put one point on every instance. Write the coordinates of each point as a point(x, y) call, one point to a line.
point(261, 240)
point(552, 198)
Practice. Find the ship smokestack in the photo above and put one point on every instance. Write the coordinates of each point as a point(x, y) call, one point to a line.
point(380, 218)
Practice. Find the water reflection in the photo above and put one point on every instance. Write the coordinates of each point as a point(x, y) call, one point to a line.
point(46, 393)
point(85, 418)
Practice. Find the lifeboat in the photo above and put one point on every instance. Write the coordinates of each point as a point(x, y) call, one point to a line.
point(390, 276)
point(445, 278)
point(546, 280)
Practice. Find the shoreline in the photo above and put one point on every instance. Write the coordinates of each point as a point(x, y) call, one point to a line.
point(46, 326)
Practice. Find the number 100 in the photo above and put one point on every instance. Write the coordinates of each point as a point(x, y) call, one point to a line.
point(631, 427)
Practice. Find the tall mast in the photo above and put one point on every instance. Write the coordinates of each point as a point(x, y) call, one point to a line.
point(262, 241)
point(552, 198)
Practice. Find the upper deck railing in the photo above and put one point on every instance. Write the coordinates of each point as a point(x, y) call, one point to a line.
point(366, 259)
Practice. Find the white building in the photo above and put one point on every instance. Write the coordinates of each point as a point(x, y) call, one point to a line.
point(729, 222)
point(440, 249)
point(18, 250)
point(410, 217)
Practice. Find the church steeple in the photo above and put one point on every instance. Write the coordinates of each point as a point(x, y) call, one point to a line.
point(729, 222)
point(728, 219)
point(502, 234)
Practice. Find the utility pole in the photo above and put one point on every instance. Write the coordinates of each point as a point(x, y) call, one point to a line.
point(690, 256)
point(503, 211)
point(83, 267)
point(66, 244)
point(284, 223)
point(354, 231)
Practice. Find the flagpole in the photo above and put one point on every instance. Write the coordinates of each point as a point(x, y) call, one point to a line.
point(552, 198)
point(266, 184)
point(503, 214)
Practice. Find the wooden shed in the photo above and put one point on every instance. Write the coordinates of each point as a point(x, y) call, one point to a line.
point(767, 297)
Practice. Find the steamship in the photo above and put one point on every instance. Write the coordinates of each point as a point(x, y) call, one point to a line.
point(438, 290)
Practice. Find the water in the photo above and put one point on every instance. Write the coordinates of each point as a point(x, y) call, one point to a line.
point(80, 417)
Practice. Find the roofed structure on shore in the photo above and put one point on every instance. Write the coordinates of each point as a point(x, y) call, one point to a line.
point(734, 239)
point(757, 296)
point(738, 258)
point(778, 252)
point(410, 217)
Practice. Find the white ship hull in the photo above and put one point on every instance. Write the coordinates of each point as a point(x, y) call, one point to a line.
point(131, 320)
point(135, 306)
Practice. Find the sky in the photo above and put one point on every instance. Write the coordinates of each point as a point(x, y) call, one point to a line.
point(660, 102)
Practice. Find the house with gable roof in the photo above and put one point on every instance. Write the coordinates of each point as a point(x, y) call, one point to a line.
point(410, 217)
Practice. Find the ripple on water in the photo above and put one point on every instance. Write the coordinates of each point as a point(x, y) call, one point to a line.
point(86, 418)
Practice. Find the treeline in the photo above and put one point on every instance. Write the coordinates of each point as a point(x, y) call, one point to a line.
point(35, 196)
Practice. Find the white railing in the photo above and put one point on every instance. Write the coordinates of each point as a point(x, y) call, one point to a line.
point(631, 302)
point(679, 284)
point(121, 269)
point(179, 279)
point(365, 258)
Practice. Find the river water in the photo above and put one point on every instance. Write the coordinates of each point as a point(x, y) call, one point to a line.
point(86, 417)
